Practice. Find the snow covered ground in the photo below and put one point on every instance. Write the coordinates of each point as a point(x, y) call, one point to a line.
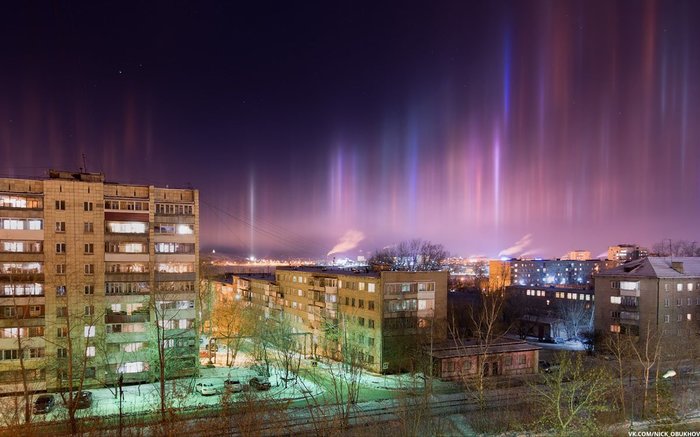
point(145, 398)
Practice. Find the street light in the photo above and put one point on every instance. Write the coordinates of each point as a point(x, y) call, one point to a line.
point(669, 374)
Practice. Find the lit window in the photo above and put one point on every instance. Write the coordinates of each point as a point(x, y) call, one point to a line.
point(89, 331)
point(185, 229)
point(90, 351)
point(616, 299)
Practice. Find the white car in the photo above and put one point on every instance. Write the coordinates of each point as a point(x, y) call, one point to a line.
point(205, 388)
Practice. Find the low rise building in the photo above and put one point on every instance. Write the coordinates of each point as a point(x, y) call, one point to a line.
point(463, 360)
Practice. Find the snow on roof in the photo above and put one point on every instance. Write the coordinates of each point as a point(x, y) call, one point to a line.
point(658, 267)
point(467, 348)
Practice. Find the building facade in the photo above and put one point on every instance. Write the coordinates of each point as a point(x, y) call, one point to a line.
point(626, 252)
point(550, 312)
point(383, 314)
point(577, 255)
point(556, 272)
point(89, 271)
point(460, 361)
point(651, 295)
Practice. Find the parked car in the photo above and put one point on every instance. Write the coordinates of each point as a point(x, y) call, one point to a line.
point(205, 388)
point(233, 385)
point(260, 383)
point(44, 404)
point(82, 399)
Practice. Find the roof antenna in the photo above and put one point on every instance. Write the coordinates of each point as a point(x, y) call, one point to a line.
point(85, 163)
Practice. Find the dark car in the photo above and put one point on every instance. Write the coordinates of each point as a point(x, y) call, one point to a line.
point(44, 404)
point(82, 399)
point(260, 383)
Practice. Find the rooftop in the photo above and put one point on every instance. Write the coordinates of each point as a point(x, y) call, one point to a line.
point(331, 270)
point(269, 277)
point(465, 348)
point(658, 267)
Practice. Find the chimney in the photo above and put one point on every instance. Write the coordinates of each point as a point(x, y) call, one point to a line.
point(677, 266)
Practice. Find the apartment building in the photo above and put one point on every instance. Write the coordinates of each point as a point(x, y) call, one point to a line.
point(88, 270)
point(577, 255)
point(383, 314)
point(654, 294)
point(626, 252)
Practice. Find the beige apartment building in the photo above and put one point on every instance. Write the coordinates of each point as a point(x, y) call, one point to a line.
point(385, 315)
point(656, 295)
point(88, 271)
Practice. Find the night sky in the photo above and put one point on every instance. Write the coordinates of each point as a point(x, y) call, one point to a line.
point(562, 125)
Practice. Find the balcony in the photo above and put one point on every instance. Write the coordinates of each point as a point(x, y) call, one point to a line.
point(126, 318)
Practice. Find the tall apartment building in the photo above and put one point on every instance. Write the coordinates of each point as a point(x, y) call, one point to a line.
point(660, 294)
point(383, 313)
point(88, 269)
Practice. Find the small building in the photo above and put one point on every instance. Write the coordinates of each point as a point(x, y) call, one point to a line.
point(460, 360)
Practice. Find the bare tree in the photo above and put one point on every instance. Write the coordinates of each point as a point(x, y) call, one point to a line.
point(230, 322)
point(76, 350)
point(577, 316)
point(261, 331)
point(411, 255)
point(571, 396)
point(344, 392)
point(620, 346)
point(206, 296)
point(23, 289)
point(486, 330)
point(670, 247)
point(286, 345)
point(172, 342)
point(647, 350)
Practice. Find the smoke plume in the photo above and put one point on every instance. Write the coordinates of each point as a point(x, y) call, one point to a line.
point(348, 241)
point(518, 247)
